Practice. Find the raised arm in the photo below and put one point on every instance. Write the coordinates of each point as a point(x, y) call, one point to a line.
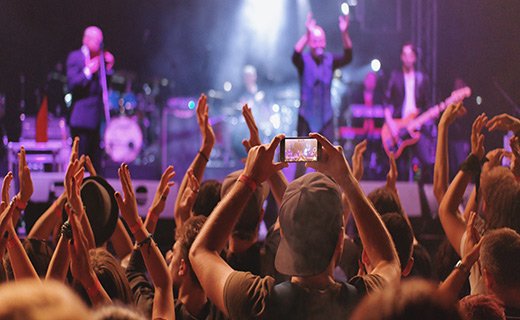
point(277, 181)
point(22, 266)
point(441, 167)
point(302, 42)
point(343, 26)
point(452, 221)
point(45, 224)
point(211, 270)
point(163, 306)
point(159, 200)
point(373, 233)
point(208, 141)
point(80, 266)
point(454, 282)
point(187, 200)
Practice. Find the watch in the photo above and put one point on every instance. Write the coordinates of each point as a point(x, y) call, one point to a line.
point(462, 267)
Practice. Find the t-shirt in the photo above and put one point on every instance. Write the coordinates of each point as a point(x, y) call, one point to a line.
point(250, 260)
point(247, 296)
point(209, 312)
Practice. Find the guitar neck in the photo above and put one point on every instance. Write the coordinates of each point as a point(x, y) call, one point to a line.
point(432, 113)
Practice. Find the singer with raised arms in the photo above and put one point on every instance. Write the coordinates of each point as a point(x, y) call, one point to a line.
point(315, 70)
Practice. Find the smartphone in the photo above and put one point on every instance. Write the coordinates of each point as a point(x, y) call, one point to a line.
point(300, 149)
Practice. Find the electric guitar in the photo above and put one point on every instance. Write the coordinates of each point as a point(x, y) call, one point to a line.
point(408, 128)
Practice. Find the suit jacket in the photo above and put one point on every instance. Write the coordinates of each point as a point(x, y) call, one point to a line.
point(87, 100)
point(395, 94)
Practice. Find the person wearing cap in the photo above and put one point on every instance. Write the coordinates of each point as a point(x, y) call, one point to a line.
point(244, 251)
point(315, 71)
point(311, 221)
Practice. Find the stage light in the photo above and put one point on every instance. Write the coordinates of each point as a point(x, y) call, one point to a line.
point(345, 8)
point(276, 108)
point(375, 65)
point(191, 104)
point(479, 100)
point(68, 99)
point(227, 86)
point(352, 3)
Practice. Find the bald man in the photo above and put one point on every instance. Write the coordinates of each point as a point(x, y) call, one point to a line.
point(315, 70)
point(87, 102)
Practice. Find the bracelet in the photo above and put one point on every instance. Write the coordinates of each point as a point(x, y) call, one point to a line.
point(152, 216)
point(250, 182)
point(66, 230)
point(146, 240)
point(136, 226)
point(19, 204)
point(462, 267)
point(94, 289)
point(471, 165)
point(204, 156)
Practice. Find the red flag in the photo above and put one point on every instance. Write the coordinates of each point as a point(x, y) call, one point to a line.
point(41, 122)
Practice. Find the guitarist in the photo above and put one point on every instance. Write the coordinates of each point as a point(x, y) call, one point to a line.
point(407, 94)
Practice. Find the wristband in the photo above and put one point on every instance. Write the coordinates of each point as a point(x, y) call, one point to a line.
point(204, 156)
point(250, 182)
point(146, 240)
point(136, 226)
point(19, 204)
point(94, 289)
point(152, 216)
point(462, 267)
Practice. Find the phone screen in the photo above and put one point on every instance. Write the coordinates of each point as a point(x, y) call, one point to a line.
point(300, 149)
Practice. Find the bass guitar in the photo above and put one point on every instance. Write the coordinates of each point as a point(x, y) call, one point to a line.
point(408, 128)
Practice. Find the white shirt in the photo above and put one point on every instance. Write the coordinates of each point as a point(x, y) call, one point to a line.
point(409, 105)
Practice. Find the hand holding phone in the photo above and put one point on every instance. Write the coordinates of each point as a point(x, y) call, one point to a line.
point(300, 149)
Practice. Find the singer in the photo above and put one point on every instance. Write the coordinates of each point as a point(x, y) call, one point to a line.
point(315, 70)
point(84, 81)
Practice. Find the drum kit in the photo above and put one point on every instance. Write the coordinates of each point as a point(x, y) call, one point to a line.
point(133, 132)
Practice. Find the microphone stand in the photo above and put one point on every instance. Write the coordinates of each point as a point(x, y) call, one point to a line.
point(103, 80)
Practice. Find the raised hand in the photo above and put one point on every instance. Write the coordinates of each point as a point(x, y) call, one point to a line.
point(477, 139)
point(208, 136)
point(333, 160)
point(163, 189)
point(24, 176)
point(89, 166)
point(92, 64)
point(128, 205)
point(343, 23)
point(503, 122)
point(187, 199)
point(259, 164)
point(73, 180)
point(515, 156)
point(472, 243)
point(452, 112)
point(391, 177)
point(6, 185)
point(310, 23)
point(109, 59)
point(254, 137)
point(357, 159)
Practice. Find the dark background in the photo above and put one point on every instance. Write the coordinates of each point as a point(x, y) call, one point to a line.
point(197, 45)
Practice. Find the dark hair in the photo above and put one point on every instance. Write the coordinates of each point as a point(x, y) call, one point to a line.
point(110, 275)
point(39, 254)
point(186, 236)
point(500, 255)
point(501, 194)
point(412, 45)
point(401, 234)
point(385, 200)
point(482, 307)
point(413, 299)
point(208, 197)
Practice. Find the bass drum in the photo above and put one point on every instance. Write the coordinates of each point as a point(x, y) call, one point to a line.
point(123, 139)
